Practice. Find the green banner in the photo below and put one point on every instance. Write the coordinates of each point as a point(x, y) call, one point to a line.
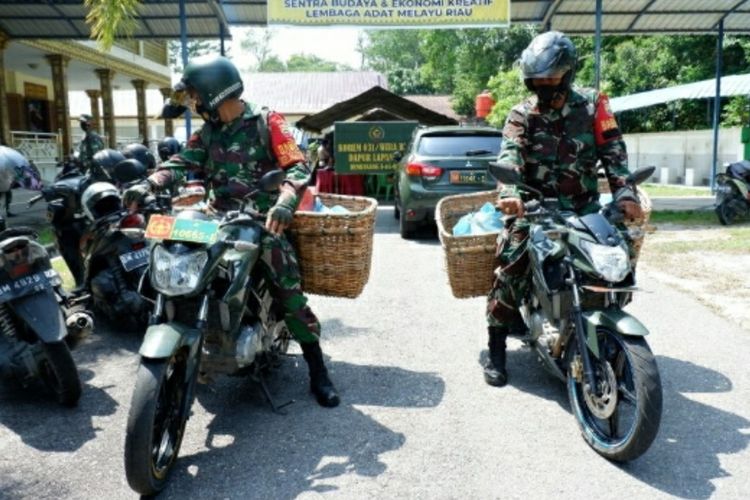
point(397, 13)
point(368, 147)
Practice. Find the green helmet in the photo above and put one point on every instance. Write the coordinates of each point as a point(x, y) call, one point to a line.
point(214, 78)
point(549, 55)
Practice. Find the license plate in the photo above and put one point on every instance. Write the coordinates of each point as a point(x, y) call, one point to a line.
point(135, 259)
point(28, 285)
point(164, 227)
point(468, 177)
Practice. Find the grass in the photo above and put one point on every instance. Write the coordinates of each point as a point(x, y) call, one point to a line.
point(734, 239)
point(59, 265)
point(46, 235)
point(669, 191)
point(685, 217)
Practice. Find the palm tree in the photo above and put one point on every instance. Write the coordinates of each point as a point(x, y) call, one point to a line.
point(109, 19)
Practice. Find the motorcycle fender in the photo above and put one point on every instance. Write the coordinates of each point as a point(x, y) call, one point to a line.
point(614, 319)
point(41, 313)
point(162, 340)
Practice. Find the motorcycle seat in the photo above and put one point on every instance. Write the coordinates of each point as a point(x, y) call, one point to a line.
point(13, 232)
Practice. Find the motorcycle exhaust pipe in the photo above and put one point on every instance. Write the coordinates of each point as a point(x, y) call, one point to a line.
point(80, 324)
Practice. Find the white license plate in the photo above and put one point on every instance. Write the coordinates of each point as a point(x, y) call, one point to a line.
point(135, 259)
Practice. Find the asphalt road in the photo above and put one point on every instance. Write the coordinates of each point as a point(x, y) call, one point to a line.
point(416, 419)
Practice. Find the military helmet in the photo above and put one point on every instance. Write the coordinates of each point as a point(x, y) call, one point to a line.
point(106, 159)
point(167, 147)
point(85, 118)
point(141, 153)
point(214, 78)
point(549, 55)
point(100, 199)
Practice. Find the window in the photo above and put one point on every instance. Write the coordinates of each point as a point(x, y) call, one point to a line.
point(459, 145)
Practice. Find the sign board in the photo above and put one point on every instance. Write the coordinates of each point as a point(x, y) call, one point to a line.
point(368, 147)
point(393, 13)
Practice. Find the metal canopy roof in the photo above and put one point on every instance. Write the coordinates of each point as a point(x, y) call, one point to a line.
point(375, 98)
point(160, 18)
point(730, 86)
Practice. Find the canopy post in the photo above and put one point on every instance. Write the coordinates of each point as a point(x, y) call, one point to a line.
point(183, 41)
point(717, 103)
point(598, 45)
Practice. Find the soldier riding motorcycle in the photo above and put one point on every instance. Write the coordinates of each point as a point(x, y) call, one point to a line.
point(732, 195)
point(38, 321)
point(581, 278)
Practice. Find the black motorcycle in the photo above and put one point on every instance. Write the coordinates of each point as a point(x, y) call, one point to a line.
point(38, 321)
point(732, 200)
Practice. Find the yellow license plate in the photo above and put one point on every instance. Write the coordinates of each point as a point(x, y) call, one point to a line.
point(468, 177)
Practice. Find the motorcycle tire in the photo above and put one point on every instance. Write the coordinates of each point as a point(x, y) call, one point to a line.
point(159, 411)
point(725, 213)
point(59, 373)
point(638, 388)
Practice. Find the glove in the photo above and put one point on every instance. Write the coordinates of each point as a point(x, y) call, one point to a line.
point(510, 206)
point(134, 195)
point(281, 214)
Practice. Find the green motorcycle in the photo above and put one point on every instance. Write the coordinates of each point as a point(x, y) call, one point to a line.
point(213, 314)
point(732, 200)
point(582, 277)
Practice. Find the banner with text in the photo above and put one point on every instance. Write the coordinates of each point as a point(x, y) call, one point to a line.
point(395, 13)
point(368, 147)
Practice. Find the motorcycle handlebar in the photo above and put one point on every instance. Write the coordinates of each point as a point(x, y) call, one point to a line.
point(33, 200)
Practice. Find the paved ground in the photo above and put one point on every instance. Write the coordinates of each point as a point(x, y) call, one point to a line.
point(416, 421)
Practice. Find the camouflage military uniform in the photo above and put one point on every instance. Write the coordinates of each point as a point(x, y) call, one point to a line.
point(557, 152)
point(235, 156)
point(91, 144)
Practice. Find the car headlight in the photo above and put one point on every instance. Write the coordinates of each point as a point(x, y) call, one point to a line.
point(173, 274)
point(612, 263)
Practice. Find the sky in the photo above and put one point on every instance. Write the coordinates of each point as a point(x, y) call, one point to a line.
point(337, 44)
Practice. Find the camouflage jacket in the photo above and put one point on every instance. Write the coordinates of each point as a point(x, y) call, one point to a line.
point(233, 156)
point(558, 151)
point(91, 144)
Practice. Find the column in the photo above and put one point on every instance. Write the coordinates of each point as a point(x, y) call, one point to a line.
point(4, 118)
point(140, 96)
point(94, 99)
point(59, 66)
point(166, 92)
point(105, 83)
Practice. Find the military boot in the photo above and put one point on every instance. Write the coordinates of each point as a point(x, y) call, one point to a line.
point(320, 384)
point(494, 370)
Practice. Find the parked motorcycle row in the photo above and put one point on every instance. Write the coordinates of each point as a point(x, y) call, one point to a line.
point(187, 277)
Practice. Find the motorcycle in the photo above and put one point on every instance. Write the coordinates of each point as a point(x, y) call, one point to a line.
point(213, 315)
point(39, 323)
point(582, 278)
point(732, 200)
point(114, 251)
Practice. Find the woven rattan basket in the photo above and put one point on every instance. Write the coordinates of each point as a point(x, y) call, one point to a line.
point(335, 250)
point(469, 259)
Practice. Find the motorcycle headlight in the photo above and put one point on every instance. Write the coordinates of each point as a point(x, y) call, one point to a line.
point(173, 274)
point(612, 263)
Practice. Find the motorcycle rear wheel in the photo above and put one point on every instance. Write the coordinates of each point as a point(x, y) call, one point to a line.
point(60, 374)
point(725, 213)
point(159, 412)
point(638, 393)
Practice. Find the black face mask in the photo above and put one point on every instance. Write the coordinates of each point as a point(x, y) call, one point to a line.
point(547, 94)
point(85, 126)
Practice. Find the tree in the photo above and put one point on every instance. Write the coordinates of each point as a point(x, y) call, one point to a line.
point(312, 63)
point(272, 64)
point(195, 48)
point(257, 42)
point(507, 89)
point(109, 19)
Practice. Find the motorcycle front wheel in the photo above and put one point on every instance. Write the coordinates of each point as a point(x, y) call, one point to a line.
point(621, 419)
point(159, 411)
point(59, 373)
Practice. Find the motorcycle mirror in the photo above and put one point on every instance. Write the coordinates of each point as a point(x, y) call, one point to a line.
point(640, 175)
point(506, 175)
point(271, 180)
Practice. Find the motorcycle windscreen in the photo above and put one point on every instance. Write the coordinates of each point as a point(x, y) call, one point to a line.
point(598, 225)
point(41, 312)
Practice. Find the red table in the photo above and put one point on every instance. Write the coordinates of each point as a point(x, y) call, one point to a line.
point(351, 184)
point(325, 181)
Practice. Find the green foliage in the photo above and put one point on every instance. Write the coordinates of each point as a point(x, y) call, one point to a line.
point(737, 112)
point(508, 90)
point(110, 19)
point(272, 64)
point(195, 48)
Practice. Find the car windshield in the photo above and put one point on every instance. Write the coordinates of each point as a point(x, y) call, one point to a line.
point(459, 145)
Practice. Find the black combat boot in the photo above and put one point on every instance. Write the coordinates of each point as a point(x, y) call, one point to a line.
point(494, 370)
point(320, 384)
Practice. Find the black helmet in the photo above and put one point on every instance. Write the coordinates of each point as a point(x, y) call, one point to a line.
point(167, 147)
point(128, 171)
point(214, 78)
point(106, 159)
point(85, 121)
point(100, 199)
point(141, 153)
point(549, 55)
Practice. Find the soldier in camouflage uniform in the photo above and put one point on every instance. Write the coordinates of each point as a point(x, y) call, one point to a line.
point(237, 144)
point(556, 139)
point(91, 143)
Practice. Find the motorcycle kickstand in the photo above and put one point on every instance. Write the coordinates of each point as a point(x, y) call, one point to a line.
point(278, 409)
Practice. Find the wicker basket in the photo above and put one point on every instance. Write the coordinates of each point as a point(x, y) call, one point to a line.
point(335, 250)
point(641, 224)
point(469, 260)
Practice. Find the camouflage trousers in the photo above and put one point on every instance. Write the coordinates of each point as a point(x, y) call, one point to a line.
point(512, 277)
point(281, 271)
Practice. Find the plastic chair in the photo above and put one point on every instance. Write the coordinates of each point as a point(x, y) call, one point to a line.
point(384, 184)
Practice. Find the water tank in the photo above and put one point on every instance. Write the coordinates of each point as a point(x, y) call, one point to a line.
point(483, 104)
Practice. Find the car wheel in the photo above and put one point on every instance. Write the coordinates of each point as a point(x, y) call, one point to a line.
point(407, 228)
point(396, 211)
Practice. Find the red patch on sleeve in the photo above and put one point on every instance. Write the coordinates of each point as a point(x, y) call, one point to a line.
point(605, 124)
point(283, 145)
